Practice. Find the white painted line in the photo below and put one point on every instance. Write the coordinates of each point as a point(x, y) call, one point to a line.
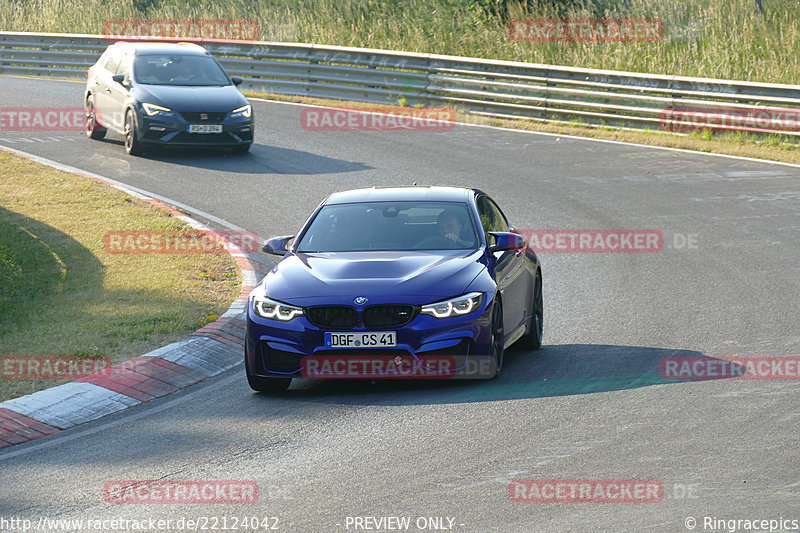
point(548, 134)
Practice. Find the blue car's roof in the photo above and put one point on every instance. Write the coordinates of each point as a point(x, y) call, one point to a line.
point(403, 194)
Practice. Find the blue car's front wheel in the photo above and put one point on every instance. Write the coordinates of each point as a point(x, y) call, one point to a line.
point(532, 340)
point(498, 336)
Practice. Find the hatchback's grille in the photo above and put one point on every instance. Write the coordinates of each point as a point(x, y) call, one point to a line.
point(388, 315)
point(332, 316)
point(204, 138)
point(197, 116)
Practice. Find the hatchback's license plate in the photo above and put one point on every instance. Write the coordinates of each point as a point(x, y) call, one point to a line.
point(204, 128)
point(374, 339)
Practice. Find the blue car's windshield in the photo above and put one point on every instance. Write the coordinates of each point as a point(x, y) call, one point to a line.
point(390, 226)
point(178, 69)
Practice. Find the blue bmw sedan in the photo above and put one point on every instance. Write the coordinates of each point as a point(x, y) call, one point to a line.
point(399, 282)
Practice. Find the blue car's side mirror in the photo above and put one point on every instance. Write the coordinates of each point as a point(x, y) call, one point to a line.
point(237, 80)
point(505, 240)
point(277, 245)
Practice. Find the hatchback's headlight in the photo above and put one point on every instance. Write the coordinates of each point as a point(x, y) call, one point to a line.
point(268, 308)
point(153, 109)
point(244, 111)
point(454, 306)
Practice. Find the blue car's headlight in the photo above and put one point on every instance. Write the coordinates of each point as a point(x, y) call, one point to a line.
point(267, 308)
point(454, 306)
point(153, 109)
point(244, 111)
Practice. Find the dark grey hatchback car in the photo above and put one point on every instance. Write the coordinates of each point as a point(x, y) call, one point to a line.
point(169, 94)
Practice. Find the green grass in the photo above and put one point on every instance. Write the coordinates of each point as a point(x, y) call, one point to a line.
point(61, 293)
point(709, 38)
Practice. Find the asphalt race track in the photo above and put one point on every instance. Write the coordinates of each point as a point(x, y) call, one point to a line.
point(590, 405)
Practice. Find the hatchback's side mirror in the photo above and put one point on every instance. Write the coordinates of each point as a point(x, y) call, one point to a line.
point(277, 245)
point(237, 80)
point(119, 78)
point(504, 240)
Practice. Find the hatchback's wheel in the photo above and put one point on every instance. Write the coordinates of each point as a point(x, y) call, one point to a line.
point(498, 336)
point(533, 339)
point(93, 128)
point(132, 143)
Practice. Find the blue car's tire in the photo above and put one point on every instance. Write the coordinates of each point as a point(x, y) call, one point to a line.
point(497, 345)
point(532, 340)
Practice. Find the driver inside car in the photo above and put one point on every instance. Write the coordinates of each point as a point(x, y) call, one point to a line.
point(449, 224)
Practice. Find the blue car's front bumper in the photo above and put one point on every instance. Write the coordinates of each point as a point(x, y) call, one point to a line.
point(457, 347)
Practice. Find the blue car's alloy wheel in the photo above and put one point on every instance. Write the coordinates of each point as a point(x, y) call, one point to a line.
point(532, 340)
point(498, 336)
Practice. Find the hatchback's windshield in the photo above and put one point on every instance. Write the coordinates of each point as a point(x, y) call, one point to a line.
point(390, 226)
point(177, 69)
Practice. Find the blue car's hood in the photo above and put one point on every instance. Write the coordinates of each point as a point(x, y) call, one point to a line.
point(225, 98)
point(406, 276)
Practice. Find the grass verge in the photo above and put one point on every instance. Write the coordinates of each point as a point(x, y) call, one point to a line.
point(730, 39)
point(62, 293)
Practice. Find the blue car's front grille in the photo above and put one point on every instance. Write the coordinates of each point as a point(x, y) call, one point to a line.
point(380, 316)
point(332, 316)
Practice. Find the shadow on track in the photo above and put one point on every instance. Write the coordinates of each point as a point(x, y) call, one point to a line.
point(559, 370)
point(259, 160)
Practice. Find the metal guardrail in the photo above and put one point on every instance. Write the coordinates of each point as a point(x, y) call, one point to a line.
point(479, 86)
